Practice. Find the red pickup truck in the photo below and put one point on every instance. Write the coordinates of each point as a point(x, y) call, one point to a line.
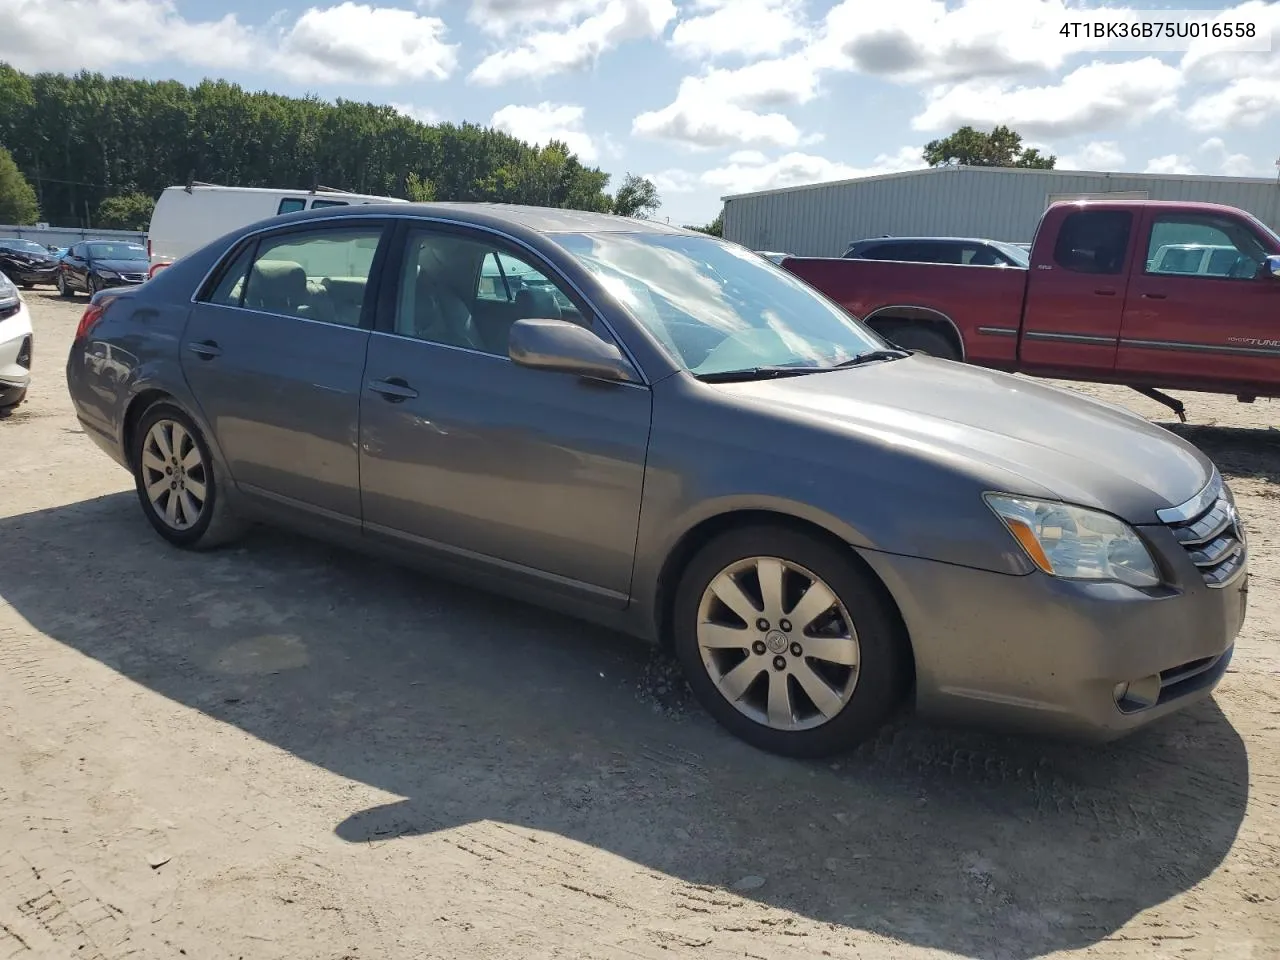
point(1147, 294)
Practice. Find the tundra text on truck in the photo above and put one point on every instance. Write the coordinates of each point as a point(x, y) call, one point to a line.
point(1105, 299)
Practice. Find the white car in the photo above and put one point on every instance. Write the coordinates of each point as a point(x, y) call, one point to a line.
point(15, 346)
point(186, 218)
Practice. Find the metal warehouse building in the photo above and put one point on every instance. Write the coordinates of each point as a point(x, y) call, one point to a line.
point(998, 203)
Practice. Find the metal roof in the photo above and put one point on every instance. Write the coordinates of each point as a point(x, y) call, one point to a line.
point(1016, 171)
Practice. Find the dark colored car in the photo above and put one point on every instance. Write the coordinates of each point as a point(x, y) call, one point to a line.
point(956, 250)
point(687, 443)
point(26, 262)
point(94, 265)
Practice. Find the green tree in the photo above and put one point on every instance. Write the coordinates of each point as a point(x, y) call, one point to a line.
point(17, 198)
point(129, 211)
point(85, 138)
point(715, 227)
point(1001, 147)
point(637, 197)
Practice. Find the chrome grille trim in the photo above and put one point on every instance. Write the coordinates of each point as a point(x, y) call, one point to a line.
point(1197, 504)
point(1208, 528)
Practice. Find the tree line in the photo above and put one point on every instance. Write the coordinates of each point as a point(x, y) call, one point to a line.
point(98, 150)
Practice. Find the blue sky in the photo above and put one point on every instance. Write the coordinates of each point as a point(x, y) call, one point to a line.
point(711, 97)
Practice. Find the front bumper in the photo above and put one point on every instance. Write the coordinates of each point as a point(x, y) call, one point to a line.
point(1046, 655)
point(129, 280)
point(17, 344)
point(33, 274)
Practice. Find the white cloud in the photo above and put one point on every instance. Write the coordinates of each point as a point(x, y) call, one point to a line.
point(1094, 155)
point(502, 16)
point(1212, 59)
point(749, 28)
point(1242, 103)
point(413, 112)
point(673, 181)
point(544, 53)
point(116, 32)
point(548, 121)
point(748, 171)
point(1230, 164)
point(1171, 163)
point(1089, 98)
point(927, 41)
point(374, 44)
point(729, 107)
point(349, 42)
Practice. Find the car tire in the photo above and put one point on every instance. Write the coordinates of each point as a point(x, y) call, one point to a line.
point(91, 285)
point(926, 341)
point(859, 629)
point(63, 289)
point(165, 425)
point(25, 284)
point(8, 407)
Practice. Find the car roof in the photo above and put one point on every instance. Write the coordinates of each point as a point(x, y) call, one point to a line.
point(501, 216)
point(922, 240)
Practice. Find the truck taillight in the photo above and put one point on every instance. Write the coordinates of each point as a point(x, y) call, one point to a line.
point(155, 268)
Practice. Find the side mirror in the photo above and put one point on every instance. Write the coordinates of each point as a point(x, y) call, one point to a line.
point(1273, 265)
point(567, 347)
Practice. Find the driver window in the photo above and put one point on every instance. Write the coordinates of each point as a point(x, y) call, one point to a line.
point(467, 293)
point(1183, 245)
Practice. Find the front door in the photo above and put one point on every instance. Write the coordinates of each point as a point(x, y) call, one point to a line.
point(274, 351)
point(1074, 304)
point(1205, 308)
point(536, 472)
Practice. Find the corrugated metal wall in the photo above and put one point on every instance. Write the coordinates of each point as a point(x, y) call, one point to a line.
point(821, 221)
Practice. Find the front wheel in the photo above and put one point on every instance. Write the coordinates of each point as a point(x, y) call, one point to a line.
point(178, 481)
point(788, 643)
point(925, 340)
point(63, 289)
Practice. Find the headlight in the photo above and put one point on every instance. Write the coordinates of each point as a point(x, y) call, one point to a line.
point(105, 274)
point(8, 292)
point(1076, 543)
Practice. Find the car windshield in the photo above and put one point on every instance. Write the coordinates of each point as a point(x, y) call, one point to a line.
point(22, 246)
point(1271, 234)
point(718, 307)
point(117, 251)
point(1015, 253)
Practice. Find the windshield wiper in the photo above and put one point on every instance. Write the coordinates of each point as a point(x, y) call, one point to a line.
point(870, 356)
point(756, 373)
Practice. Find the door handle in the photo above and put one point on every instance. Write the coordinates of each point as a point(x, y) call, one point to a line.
point(205, 349)
point(1105, 292)
point(393, 390)
point(1153, 296)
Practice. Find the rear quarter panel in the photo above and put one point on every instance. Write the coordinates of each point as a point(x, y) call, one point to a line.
point(984, 303)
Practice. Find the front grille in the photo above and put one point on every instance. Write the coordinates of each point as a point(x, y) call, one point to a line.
point(1211, 534)
point(133, 277)
point(24, 353)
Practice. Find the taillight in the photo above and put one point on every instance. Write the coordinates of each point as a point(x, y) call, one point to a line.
point(89, 319)
point(155, 268)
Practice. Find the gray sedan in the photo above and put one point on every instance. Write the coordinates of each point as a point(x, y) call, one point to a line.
point(666, 433)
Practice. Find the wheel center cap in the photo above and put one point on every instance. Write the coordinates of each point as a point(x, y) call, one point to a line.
point(776, 641)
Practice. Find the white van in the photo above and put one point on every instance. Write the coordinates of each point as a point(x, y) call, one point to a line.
point(186, 218)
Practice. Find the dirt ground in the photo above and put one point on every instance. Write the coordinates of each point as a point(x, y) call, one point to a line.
point(284, 750)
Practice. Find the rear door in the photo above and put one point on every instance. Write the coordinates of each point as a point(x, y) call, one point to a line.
point(1076, 292)
point(1221, 323)
point(274, 351)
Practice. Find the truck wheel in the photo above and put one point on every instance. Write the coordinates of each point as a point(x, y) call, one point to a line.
point(926, 341)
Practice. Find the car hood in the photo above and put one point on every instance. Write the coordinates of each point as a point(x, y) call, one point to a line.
point(35, 259)
point(122, 266)
point(1003, 429)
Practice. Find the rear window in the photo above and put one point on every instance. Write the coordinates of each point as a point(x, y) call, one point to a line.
point(1094, 241)
point(291, 205)
point(317, 204)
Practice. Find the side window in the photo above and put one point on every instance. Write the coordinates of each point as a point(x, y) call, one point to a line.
point(317, 204)
point(316, 275)
point(1203, 246)
point(467, 293)
point(1093, 241)
point(229, 290)
point(883, 251)
point(291, 205)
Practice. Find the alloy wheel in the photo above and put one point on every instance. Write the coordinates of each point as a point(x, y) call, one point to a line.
point(174, 474)
point(778, 643)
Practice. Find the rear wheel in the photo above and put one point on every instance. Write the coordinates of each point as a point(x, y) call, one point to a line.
point(788, 643)
point(922, 339)
point(178, 481)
